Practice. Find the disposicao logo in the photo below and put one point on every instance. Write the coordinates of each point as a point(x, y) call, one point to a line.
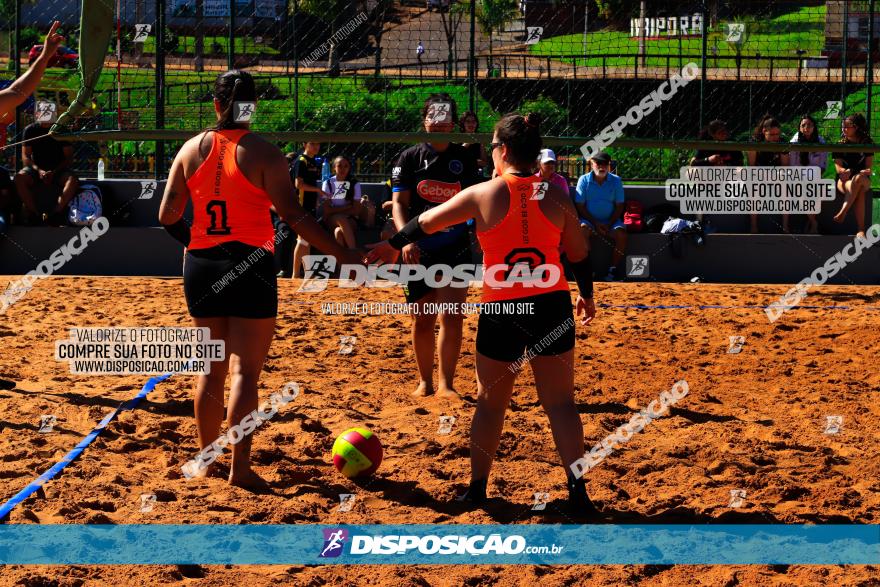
point(333, 542)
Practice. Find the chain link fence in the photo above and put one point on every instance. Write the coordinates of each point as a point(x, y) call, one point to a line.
point(367, 65)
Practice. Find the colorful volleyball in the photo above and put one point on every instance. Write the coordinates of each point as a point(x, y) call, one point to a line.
point(357, 452)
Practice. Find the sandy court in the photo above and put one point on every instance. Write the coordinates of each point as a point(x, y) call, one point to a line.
point(753, 421)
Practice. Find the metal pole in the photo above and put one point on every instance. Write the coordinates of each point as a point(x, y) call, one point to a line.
point(643, 32)
point(843, 58)
point(705, 38)
point(16, 56)
point(160, 85)
point(472, 66)
point(586, 28)
point(869, 78)
point(294, 36)
point(230, 49)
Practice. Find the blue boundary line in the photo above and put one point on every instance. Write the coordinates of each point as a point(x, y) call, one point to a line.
point(670, 307)
point(37, 483)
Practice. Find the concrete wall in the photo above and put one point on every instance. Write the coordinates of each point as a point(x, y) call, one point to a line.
point(136, 245)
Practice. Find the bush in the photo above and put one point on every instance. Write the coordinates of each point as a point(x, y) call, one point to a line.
point(29, 36)
point(553, 116)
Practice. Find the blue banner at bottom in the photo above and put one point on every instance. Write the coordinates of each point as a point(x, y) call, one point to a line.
point(439, 544)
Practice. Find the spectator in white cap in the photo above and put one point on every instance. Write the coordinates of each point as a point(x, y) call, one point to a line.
point(547, 169)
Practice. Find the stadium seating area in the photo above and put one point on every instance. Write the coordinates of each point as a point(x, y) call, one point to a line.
point(136, 245)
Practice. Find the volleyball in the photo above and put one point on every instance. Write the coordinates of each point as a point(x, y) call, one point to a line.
point(357, 452)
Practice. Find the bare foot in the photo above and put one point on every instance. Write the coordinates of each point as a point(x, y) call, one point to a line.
point(424, 389)
point(840, 216)
point(861, 235)
point(447, 392)
point(249, 480)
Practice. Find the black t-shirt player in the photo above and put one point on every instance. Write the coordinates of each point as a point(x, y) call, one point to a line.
point(433, 177)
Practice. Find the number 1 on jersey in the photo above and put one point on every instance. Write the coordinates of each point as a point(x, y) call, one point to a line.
point(212, 209)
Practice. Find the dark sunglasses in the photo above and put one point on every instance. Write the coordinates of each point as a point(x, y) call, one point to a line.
point(494, 146)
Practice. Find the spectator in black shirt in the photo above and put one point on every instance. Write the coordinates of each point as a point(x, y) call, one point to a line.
point(306, 177)
point(768, 131)
point(854, 170)
point(716, 131)
point(45, 184)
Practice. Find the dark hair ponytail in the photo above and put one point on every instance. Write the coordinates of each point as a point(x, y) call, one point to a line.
point(230, 87)
point(858, 120)
point(522, 136)
point(766, 122)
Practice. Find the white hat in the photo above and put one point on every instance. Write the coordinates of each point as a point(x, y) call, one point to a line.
point(548, 155)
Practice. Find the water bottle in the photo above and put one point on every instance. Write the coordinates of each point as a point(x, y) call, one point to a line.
point(100, 169)
point(325, 171)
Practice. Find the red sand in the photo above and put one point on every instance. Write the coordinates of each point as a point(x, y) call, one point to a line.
point(752, 421)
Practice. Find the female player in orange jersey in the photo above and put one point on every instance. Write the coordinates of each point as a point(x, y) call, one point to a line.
point(233, 178)
point(521, 223)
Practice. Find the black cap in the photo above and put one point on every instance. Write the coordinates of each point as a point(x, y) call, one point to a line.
point(601, 157)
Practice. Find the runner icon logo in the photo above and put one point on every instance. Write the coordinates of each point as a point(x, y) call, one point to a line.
point(637, 266)
point(333, 542)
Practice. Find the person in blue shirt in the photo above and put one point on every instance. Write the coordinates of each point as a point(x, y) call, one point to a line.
point(599, 201)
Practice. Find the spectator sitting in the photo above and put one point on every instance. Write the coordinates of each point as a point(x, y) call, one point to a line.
point(341, 202)
point(854, 170)
point(808, 133)
point(599, 201)
point(45, 184)
point(768, 131)
point(716, 131)
point(8, 200)
point(547, 170)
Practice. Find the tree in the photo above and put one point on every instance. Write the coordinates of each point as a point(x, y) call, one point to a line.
point(492, 15)
point(451, 18)
point(376, 22)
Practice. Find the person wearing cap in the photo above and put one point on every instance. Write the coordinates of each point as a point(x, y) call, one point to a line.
point(547, 169)
point(599, 201)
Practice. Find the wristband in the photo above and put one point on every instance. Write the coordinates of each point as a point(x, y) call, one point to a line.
point(179, 230)
point(583, 275)
point(410, 233)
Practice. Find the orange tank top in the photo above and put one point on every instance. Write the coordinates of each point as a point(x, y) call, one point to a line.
point(521, 253)
point(227, 207)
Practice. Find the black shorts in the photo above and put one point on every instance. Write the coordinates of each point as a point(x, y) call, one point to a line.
point(457, 253)
point(547, 331)
point(230, 280)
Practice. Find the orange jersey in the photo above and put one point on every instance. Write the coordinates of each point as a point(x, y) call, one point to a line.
point(521, 253)
point(226, 205)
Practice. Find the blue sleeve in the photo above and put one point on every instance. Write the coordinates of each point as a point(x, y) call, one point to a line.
point(402, 174)
point(581, 191)
point(618, 192)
